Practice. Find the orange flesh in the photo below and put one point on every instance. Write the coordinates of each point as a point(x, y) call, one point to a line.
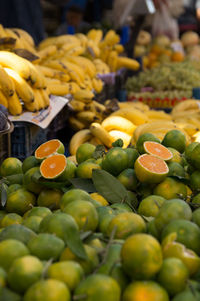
point(158, 150)
point(153, 164)
point(53, 166)
point(47, 148)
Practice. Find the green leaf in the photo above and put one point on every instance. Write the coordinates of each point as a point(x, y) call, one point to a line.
point(3, 194)
point(36, 176)
point(118, 143)
point(108, 186)
point(84, 184)
point(99, 152)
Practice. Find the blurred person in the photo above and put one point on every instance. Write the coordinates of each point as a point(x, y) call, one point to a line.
point(190, 18)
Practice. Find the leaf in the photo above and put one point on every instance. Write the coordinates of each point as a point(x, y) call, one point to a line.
point(36, 176)
point(46, 267)
point(108, 186)
point(84, 184)
point(118, 143)
point(99, 152)
point(3, 195)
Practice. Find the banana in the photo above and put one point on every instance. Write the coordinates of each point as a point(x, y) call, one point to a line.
point(74, 71)
point(97, 84)
point(95, 35)
point(6, 84)
point(10, 33)
point(77, 105)
point(26, 36)
point(93, 49)
point(185, 114)
point(45, 96)
point(78, 50)
point(78, 139)
point(132, 104)
point(84, 63)
point(134, 115)
point(24, 91)
point(52, 81)
point(189, 104)
point(39, 99)
point(46, 52)
point(96, 107)
point(3, 33)
point(119, 48)
point(113, 60)
point(118, 123)
point(105, 54)
point(189, 128)
point(63, 88)
point(121, 135)
point(60, 41)
point(101, 66)
point(53, 73)
point(87, 117)
point(14, 105)
point(153, 114)
point(82, 38)
point(76, 124)
point(95, 141)
point(3, 100)
point(127, 63)
point(99, 132)
point(111, 38)
point(37, 79)
point(84, 96)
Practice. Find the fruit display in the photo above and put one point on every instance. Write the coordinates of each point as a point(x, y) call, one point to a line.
point(121, 224)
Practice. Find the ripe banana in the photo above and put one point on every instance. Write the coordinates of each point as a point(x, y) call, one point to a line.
point(75, 72)
point(153, 114)
point(45, 96)
point(118, 123)
point(84, 63)
point(97, 84)
point(63, 88)
point(6, 84)
point(82, 38)
point(87, 116)
point(24, 91)
point(121, 135)
point(134, 115)
point(39, 99)
point(46, 52)
point(78, 50)
point(99, 132)
point(77, 105)
point(95, 35)
point(53, 73)
point(95, 141)
point(78, 139)
point(113, 60)
point(3, 100)
point(127, 63)
point(84, 96)
point(33, 106)
point(189, 104)
point(76, 124)
point(25, 36)
point(3, 33)
point(14, 105)
point(133, 104)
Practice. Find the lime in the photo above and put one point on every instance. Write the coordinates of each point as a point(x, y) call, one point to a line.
point(20, 201)
point(84, 169)
point(151, 205)
point(196, 217)
point(17, 232)
point(38, 211)
point(50, 198)
point(10, 219)
point(115, 161)
point(84, 152)
point(175, 139)
point(171, 188)
point(128, 178)
point(132, 156)
point(29, 163)
point(11, 166)
point(145, 137)
point(33, 223)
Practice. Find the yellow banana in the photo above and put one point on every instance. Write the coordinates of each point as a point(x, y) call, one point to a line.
point(63, 88)
point(76, 124)
point(118, 123)
point(127, 63)
point(189, 128)
point(3, 33)
point(78, 139)
point(132, 104)
point(10, 33)
point(113, 60)
point(99, 132)
point(46, 52)
point(26, 36)
point(185, 114)
point(93, 49)
point(119, 48)
point(87, 117)
point(3, 100)
point(134, 115)
point(84, 96)
point(111, 38)
point(189, 104)
point(95, 35)
point(24, 91)
point(77, 105)
point(84, 63)
point(53, 73)
point(45, 96)
point(78, 50)
point(52, 81)
point(153, 114)
point(97, 84)
point(95, 141)
point(14, 105)
point(6, 84)
point(121, 135)
point(82, 38)
point(39, 99)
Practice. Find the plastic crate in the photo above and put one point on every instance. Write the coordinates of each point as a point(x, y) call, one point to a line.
point(25, 139)
point(5, 142)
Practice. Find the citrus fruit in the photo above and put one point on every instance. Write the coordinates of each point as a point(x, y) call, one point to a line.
point(29, 163)
point(151, 205)
point(145, 137)
point(99, 198)
point(95, 243)
point(196, 199)
point(50, 198)
point(110, 259)
point(192, 152)
point(11, 166)
point(121, 207)
point(141, 256)
point(46, 246)
point(173, 275)
point(147, 290)
point(57, 167)
point(128, 178)
point(15, 179)
point(196, 217)
point(177, 156)
point(20, 201)
point(10, 250)
point(171, 210)
point(188, 233)
point(58, 224)
point(175, 139)
point(115, 161)
point(105, 215)
point(150, 169)
point(28, 181)
point(98, 287)
point(176, 169)
point(69, 272)
point(119, 275)
point(13, 188)
point(145, 189)
point(126, 224)
point(170, 189)
point(17, 232)
point(84, 152)
point(132, 200)
point(195, 180)
point(84, 170)
point(38, 211)
point(8, 295)
point(48, 148)
point(3, 277)
point(132, 156)
point(172, 248)
point(151, 229)
point(24, 272)
point(158, 150)
point(74, 195)
point(187, 295)
point(84, 214)
point(10, 219)
point(50, 289)
point(89, 264)
point(2, 214)
point(33, 223)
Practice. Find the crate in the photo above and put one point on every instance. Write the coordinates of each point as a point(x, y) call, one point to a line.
point(25, 139)
point(5, 142)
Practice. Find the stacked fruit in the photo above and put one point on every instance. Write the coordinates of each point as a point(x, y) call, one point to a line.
point(133, 232)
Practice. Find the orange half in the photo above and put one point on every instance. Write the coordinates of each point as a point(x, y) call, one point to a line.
point(53, 166)
point(158, 150)
point(48, 148)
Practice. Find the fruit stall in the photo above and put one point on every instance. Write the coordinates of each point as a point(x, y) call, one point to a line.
point(99, 198)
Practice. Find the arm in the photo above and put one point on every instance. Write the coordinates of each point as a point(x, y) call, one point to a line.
point(198, 9)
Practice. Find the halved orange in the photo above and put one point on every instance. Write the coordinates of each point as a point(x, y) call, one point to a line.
point(57, 167)
point(158, 150)
point(48, 148)
point(150, 169)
